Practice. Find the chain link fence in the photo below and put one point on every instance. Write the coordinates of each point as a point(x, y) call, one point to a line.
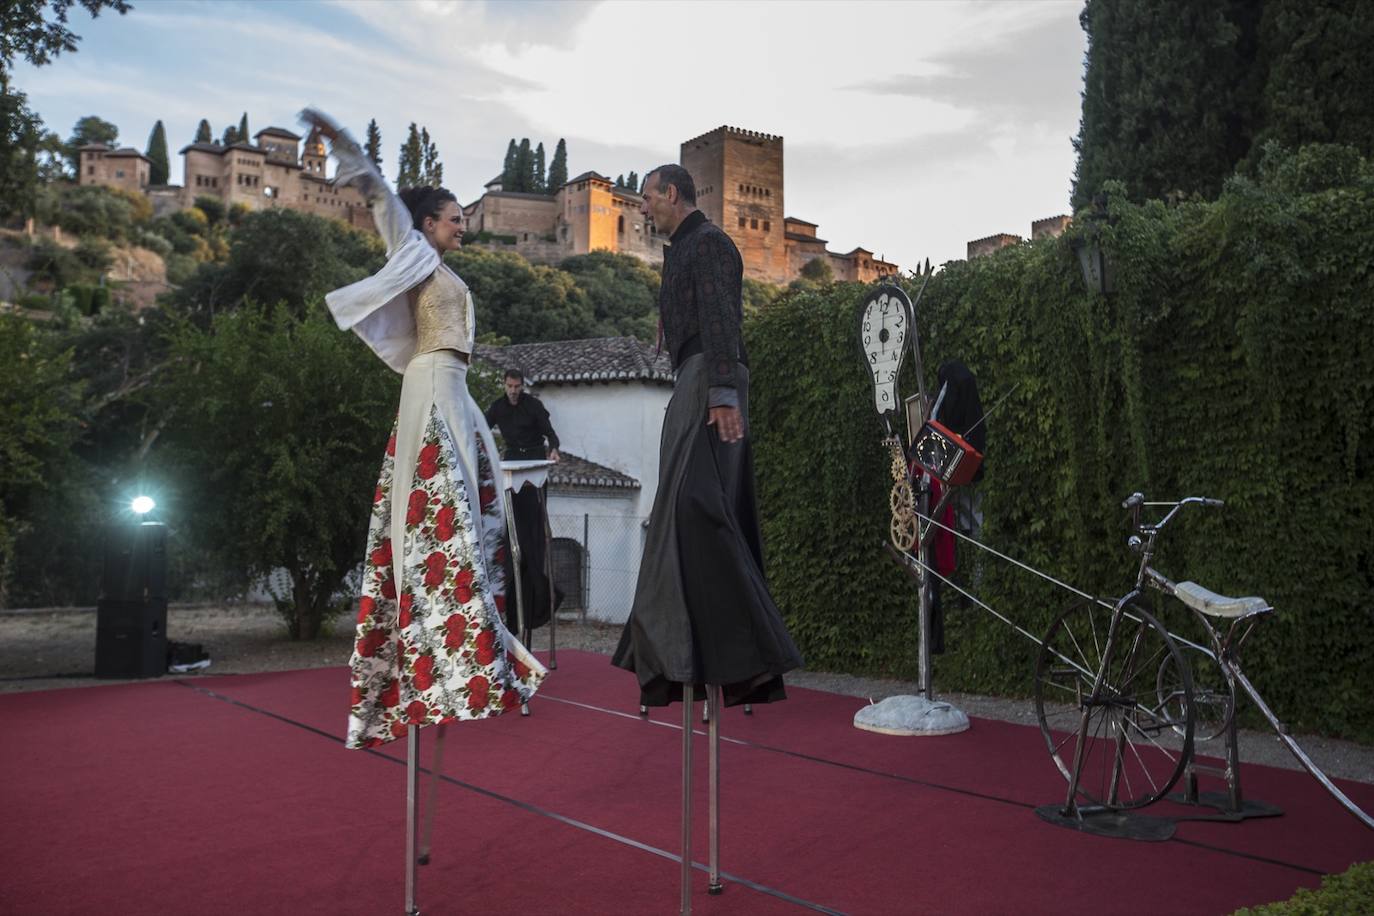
point(596, 562)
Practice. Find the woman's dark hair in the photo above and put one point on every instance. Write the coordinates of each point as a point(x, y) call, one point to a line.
point(425, 201)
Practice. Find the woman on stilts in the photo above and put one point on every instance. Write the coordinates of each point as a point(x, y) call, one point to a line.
point(431, 645)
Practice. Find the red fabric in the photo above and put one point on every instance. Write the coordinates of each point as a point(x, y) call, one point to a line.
point(143, 797)
point(943, 542)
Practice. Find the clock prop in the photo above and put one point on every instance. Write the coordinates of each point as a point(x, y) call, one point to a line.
point(887, 328)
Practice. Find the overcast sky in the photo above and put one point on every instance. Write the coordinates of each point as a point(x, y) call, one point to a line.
point(910, 127)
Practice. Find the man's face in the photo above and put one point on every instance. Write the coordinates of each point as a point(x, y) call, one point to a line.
point(657, 206)
point(513, 388)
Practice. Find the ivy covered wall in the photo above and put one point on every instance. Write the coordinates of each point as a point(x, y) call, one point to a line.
point(1234, 359)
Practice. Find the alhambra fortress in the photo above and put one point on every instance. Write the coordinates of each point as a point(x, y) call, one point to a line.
point(738, 173)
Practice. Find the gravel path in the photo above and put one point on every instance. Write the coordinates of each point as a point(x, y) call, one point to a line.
point(47, 649)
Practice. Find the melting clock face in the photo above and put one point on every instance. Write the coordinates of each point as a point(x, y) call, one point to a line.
point(884, 321)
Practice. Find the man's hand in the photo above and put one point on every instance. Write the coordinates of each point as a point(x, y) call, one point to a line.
point(553, 455)
point(728, 421)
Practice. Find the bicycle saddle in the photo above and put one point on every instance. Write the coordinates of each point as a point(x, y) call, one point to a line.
point(1214, 605)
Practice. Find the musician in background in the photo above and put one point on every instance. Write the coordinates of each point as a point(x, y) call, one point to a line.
point(524, 424)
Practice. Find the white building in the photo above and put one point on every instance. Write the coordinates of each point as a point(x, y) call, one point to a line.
point(606, 399)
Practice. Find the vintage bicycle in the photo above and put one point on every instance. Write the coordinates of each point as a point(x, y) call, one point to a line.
point(1121, 700)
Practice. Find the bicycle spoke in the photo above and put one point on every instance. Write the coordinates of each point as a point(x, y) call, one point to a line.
point(1143, 767)
point(1068, 630)
point(1162, 749)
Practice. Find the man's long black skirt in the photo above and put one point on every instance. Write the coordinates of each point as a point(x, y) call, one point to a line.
point(702, 613)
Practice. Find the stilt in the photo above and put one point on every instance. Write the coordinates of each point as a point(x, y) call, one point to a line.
point(643, 710)
point(432, 802)
point(687, 726)
point(513, 538)
point(713, 703)
point(548, 569)
point(748, 709)
point(412, 784)
point(706, 707)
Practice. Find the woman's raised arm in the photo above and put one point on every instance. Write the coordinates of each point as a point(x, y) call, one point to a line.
point(392, 216)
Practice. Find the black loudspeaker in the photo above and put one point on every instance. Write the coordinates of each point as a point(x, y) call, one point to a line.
point(135, 563)
point(131, 638)
point(131, 615)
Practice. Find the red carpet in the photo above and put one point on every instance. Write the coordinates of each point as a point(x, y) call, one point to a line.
point(235, 795)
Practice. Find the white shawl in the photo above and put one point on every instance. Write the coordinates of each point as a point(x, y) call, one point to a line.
point(377, 308)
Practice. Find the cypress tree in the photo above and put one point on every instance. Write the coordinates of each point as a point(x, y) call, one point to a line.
point(1170, 93)
point(411, 160)
point(374, 143)
point(230, 135)
point(432, 170)
point(524, 166)
point(243, 128)
point(508, 170)
point(620, 180)
point(1319, 76)
point(632, 182)
point(558, 169)
point(538, 174)
point(203, 132)
point(157, 152)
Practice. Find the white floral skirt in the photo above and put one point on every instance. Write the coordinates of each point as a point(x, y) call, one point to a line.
point(431, 645)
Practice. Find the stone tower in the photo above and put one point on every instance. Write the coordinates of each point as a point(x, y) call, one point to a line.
point(314, 156)
point(738, 174)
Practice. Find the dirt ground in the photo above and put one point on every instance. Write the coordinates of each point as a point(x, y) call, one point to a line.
point(50, 649)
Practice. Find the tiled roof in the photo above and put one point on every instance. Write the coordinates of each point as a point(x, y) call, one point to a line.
point(277, 132)
point(589, 176)
point(520, 195)
point(572, 471)
point(215, 148)
point(600, 359)
point(799, 237)
point(793, 219)
point(125, 151)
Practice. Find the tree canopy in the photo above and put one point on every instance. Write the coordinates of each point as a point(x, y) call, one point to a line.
point(26, 32)
point(1178, 94)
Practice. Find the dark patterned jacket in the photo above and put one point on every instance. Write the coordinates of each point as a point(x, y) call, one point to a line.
point(700, 302)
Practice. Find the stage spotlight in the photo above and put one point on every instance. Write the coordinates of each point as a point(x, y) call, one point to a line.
point(143, 505)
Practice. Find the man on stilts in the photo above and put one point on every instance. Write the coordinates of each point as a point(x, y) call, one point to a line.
point(703, 623)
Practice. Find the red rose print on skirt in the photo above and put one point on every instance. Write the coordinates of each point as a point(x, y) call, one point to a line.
point(403, 617)
point(415, 509)
point(434, 569)
point(381, 557)
point(486, 647)
point(462, 587)
point(389, 587)
point(391, 446)
point(423, 676)
point(478, 692)
point(429, 461)
point(455, 631)
point(444, 527)
point(371, 642)
point(416, 711)
point(366, 606)
point(510, 699)
point(522, 670)
point(391, 694)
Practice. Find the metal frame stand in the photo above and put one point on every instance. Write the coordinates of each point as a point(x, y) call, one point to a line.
point(514, 539)
point(548, 571)
point(412, 787)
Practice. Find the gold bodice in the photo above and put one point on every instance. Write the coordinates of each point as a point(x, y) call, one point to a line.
point(441, 314)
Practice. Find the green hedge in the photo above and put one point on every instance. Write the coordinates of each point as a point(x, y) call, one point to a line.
point(1350, 893)
point(1235, 359)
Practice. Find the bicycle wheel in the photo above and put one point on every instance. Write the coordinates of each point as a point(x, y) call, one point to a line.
point(1131, 753)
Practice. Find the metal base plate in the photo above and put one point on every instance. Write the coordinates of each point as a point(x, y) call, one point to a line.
point(1221, 802)
point(911, 716)
point(1121, 825)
